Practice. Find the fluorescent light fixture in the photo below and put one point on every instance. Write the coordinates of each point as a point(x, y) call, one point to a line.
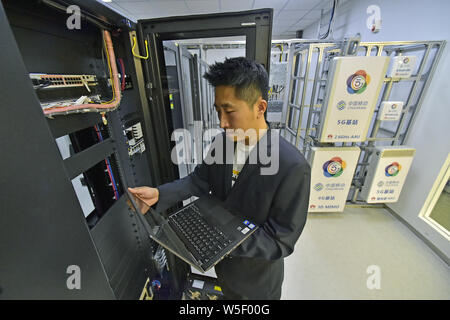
point(107, 0)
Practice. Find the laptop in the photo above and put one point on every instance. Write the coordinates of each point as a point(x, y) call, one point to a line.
point(201, 233)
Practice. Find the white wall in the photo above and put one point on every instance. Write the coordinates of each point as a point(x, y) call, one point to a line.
point(429, 134)
point(401, 20)
point(219, 55)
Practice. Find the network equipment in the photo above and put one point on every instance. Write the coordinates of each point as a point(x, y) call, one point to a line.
point(52, 81)
point(74, 86)
point(333, 96)
point(387, 174)
point(83, 104)
point(135, 139)
point(331, 177)
point(351, 95)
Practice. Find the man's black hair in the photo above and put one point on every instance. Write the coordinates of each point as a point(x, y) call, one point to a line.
point(249, 78)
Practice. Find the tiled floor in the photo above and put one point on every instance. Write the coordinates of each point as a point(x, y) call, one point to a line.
point(333, 254)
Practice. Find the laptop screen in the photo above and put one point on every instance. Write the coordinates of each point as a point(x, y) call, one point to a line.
point(161, 232)
point(151, 217)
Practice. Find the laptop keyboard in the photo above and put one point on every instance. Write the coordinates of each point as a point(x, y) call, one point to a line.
point(203, 240)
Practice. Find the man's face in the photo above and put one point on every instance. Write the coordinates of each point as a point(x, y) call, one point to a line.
point(233, 112)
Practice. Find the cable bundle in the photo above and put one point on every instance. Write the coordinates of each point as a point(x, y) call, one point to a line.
point(103, 106)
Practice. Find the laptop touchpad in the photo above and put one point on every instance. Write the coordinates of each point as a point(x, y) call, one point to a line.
point(219, 215)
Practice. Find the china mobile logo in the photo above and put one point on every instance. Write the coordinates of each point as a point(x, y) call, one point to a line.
point(358, 82)
point(393, 169)
point(334, 167)
point(341, 105)
point(189, 149)
point(318, 187)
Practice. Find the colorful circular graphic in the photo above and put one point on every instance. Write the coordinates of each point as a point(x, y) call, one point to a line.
point(406, 60)
point(358, 82)
point(393, 169)
point(341, 105)
point(334, 167)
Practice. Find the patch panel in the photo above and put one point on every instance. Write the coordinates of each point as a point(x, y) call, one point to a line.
point(52, 81)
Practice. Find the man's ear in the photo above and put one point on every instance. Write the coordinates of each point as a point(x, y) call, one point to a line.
point(261, 106)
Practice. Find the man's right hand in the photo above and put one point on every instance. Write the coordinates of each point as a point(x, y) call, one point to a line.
point(145, 197)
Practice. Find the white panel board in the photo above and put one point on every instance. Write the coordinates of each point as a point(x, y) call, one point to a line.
point(386, 174)
point(352, 92)
point(332, 172)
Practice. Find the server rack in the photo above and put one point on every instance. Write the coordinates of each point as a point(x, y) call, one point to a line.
point(44, 231)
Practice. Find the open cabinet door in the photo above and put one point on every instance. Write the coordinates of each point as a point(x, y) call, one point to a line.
point(255, 25)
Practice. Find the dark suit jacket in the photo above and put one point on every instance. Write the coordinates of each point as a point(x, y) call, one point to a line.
point(278, 203)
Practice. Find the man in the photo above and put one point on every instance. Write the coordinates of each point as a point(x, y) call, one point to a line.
point(277, 201)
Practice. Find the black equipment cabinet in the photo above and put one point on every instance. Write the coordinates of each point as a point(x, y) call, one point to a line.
point(44, 230)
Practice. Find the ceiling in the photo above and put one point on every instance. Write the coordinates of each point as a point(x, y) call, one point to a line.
point(288, 17)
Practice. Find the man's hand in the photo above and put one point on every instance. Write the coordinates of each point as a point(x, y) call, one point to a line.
point(145, 197)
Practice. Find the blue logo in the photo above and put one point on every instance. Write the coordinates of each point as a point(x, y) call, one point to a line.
point(246, 222)
point(251, 225)
point(341, 105)
point(318, 187)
